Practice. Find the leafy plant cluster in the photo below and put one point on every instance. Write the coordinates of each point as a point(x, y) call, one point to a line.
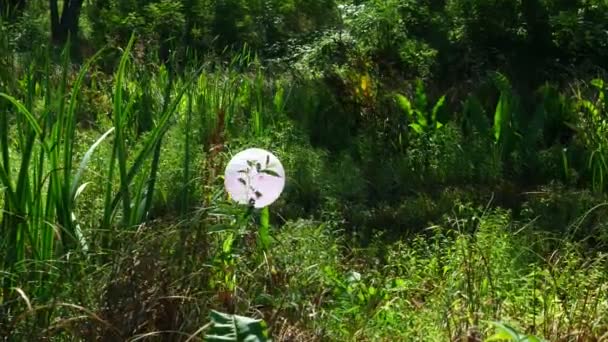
point(208, 25)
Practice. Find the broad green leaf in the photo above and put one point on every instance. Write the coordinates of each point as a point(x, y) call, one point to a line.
point(501, 336)
point(417, 128)
point(598, 83)
point(421, 99)
point(437, 108)
point(421, 118)
point(234, 328)
point(501, 117)
point(405, 105)
point(505, 332)
point(532, 339)
point(371, 290)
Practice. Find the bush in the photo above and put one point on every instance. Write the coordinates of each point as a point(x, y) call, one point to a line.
point(204, 25)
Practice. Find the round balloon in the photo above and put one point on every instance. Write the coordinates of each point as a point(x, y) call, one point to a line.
point(254, 177)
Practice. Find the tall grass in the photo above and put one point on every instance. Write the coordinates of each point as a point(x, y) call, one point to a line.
point(594, 129)
point(38, 221)
point(40, 193)
point(38, 226)
point(136, 179)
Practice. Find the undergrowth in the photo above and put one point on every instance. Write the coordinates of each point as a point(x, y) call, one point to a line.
point(402, 217)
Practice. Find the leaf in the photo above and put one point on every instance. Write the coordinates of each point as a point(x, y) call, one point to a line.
point(85, 161)
point(234, 328)
point(531, 339)
point(417, 128)
point(405, 105)
point(28, 116)
point(271, 172)
point(598, 83)
point(399, 282)
point(227, 245)
point(500, 118)
point(278, 100)
point(501, 336)
point(81, 189)
point(502, 82)
point(572, 126)
point(353, 277)
point(264, 232)
point(590, 107)
point(79, 234)
point(421, 100)
point(5, 180)
point(421, 118)
point(505, 332)
point(437, 108)
point(219, 228)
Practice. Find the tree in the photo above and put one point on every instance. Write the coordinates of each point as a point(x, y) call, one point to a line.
point(10, 9)
point(66, 25)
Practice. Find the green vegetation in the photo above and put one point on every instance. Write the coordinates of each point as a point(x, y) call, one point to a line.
point(446, 163)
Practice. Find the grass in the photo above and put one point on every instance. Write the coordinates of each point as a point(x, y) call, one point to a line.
point(117, 227)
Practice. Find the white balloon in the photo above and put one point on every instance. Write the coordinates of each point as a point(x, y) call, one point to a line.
point(254, 177)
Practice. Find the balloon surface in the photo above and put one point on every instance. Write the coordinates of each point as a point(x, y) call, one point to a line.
point(254, 177)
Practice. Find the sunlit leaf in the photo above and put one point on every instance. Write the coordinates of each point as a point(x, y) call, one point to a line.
point(405, 105)
point(417, 128)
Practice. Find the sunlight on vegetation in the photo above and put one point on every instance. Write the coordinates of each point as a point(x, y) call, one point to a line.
point(291, 170)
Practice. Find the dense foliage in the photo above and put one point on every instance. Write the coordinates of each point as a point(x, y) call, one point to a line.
point(446, 161)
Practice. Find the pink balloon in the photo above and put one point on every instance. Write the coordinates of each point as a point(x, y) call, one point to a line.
point(254, 177)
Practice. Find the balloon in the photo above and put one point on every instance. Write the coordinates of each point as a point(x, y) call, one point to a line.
point(254, 177)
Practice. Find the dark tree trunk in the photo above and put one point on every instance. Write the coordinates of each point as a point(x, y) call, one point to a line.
point(11, 9)
point(66, 24)
point(539, 29)
point(54, 20)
